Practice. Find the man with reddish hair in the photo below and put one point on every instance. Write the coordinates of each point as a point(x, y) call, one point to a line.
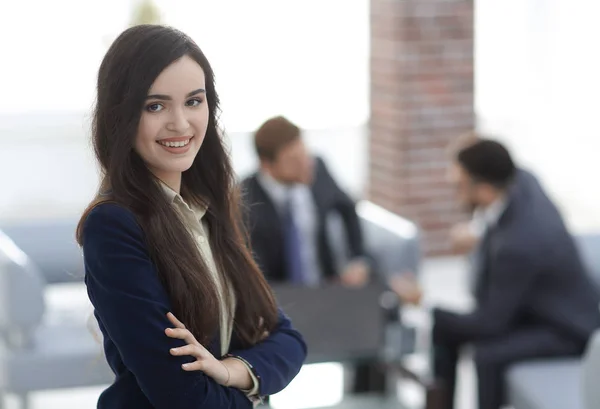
point(290, 199)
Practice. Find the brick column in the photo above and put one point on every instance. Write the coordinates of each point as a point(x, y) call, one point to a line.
point(421, 99)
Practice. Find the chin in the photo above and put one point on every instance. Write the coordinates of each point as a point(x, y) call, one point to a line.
point(182, 167)
point(178, 166)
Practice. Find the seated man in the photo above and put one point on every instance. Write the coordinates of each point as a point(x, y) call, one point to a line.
point(534, 299)
point(288, 203)
point(289, 200)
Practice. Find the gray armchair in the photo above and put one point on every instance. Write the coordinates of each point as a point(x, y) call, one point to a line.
point(40, 351)
point(390, 239)
point(562, 383)
point(590, 372)
point(51, 245)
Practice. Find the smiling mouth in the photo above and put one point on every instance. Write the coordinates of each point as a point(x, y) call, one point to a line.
point(175, 144)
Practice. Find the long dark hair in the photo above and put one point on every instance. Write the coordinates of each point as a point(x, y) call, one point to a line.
point(126, 74)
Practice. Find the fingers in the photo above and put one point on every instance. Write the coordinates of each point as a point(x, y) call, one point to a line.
point(180, 333)
point(194, 366)
point(175, 321)
point(265, 334)
point(407, 289)
point(401, 285)
point(197, 351)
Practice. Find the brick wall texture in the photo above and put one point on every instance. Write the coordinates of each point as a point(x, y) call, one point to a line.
point(421, 99)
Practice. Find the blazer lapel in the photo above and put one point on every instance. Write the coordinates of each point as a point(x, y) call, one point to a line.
point(481, 263)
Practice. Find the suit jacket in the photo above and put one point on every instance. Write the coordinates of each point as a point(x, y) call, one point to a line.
point(531, 274)
point(130, 306)
point(266, 227)
point(525, 185)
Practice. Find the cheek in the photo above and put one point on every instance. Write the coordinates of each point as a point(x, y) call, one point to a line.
point(148, 130)
point(283, 169)
point(200, 120)
point(144, 140)
point(462, 191)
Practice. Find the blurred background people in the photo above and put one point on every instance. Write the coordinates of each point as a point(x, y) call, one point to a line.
point(534, 299)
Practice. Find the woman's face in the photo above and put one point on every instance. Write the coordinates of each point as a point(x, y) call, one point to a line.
point(174, 121)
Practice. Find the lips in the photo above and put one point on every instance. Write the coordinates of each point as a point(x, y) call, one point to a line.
point(177, 142)
point(176, 145)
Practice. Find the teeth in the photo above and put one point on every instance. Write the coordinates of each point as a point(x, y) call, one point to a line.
point(175, 144)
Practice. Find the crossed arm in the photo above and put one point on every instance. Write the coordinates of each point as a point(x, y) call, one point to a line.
point(132, 304)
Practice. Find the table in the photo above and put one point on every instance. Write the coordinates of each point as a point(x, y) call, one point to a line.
point(375, 401)
point(368, 402)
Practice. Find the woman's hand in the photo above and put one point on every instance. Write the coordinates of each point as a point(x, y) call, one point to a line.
point(228, 372)
point(205, 361)
point(265, 333)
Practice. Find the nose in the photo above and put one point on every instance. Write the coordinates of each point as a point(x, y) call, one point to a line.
point(178, 121)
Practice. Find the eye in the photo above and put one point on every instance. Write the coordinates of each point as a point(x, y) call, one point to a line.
point(194, 102)
point(154, 107)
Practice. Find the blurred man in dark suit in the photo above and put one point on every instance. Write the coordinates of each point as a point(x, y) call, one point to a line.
point(534, 298)
point(289, 201)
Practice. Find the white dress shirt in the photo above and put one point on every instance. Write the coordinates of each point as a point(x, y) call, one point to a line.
point(193, 217)
point(484, 218)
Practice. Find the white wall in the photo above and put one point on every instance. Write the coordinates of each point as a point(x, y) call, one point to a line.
point(537, 89)
point(306, 59)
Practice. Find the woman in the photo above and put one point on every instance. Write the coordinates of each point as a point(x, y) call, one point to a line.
point(162, 240)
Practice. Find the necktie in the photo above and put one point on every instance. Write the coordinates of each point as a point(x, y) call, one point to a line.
point(293, 245)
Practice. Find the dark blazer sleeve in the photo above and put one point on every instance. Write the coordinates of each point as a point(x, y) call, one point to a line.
point(131, 303)
point(278, 359)
point(512, 276)
point(347, 210)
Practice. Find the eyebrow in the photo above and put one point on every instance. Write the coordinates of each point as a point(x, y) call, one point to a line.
point(168, 98)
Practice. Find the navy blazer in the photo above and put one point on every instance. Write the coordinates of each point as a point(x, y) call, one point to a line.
point(131, 305)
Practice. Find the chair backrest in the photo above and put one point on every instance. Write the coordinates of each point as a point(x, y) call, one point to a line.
point(337, 323)
point(51, 246)
point(591, 373)
point(392, 240)
point(21, 294)
point(589, 247)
